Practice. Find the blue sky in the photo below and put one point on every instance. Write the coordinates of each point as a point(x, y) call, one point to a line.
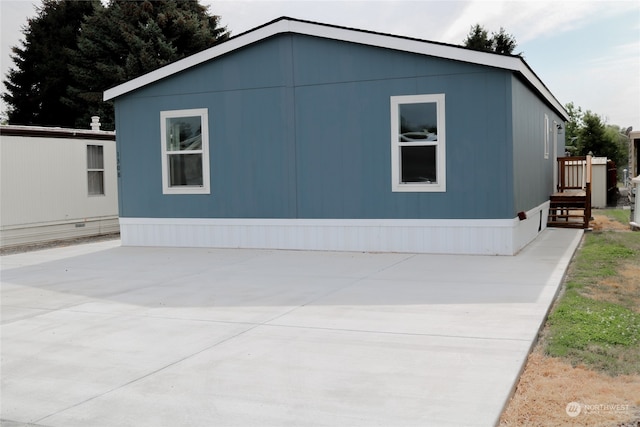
point(586, 52)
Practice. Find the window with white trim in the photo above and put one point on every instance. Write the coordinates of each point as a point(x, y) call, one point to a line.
point(95, 170)
point(418, 151)
point(185, 151)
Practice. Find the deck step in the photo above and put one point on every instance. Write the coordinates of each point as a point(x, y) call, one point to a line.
point(567, 214)
point(564, 224)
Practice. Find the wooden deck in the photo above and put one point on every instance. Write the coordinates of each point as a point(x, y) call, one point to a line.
point(570, 206)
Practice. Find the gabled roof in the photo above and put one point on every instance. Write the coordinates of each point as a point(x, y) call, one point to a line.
point(289, 25)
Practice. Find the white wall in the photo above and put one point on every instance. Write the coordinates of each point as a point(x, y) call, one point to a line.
point(43, 188)
point(599, 182)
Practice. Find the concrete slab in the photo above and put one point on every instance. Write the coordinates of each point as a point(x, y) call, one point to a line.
point(103, 335)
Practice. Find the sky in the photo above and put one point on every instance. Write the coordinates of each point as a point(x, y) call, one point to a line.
point(585, 52)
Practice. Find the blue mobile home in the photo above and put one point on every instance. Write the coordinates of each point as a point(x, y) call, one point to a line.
point(299, 135)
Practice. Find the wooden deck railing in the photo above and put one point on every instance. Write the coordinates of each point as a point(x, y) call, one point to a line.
point(574, 173)
point(574, 188)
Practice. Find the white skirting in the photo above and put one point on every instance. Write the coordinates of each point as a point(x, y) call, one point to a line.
point(26, 234)
point(444, 236)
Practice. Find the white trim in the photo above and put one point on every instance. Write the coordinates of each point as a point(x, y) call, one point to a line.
point(101, 169)
point(555, 131)
point(288, 25)
point(546, 136)
point(56, 132)
point(204, 121)
point(527, 229)
point(445, 236)
point(441, 148)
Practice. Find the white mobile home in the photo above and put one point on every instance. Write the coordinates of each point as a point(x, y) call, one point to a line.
point(56, 184)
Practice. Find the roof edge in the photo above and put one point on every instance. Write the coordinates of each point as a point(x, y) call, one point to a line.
point(269, 29)
point(282, 25)
point(56, 132)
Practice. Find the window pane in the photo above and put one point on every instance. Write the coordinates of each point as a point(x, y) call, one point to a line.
point(418, 163)
point(418, 122)
point(95, 183)
point(185, 169)
point(94, 157)
point(184, 133)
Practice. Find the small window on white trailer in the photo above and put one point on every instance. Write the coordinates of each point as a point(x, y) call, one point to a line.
point(95, 170)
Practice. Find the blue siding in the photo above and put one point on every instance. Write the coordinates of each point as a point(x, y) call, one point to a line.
point(251, 175)
point(300, 127)
point(343, 133)
point(249, 97)
point(533, 174)
point(267, 64)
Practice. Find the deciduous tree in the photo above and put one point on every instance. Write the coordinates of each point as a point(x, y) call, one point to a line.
point(573, 126)
point(587, 132)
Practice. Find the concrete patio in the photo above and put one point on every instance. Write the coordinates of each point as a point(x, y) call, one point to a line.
point(103, 335)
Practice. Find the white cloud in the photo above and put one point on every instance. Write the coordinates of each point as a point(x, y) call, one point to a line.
point(621, 66)
point(528, 20)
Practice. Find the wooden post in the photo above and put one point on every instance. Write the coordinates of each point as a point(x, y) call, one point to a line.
point(587, 189)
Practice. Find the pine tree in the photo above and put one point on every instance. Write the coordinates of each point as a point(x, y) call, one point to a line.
point(37, 84)
point(129, 38)
point(500, 42)
point(478, 39)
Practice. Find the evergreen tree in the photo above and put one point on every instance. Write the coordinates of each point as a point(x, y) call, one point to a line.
point(129, 38)
point(39, 80)
point(500, 42)
point(478, 39)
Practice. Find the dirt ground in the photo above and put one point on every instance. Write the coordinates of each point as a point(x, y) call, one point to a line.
point(601, 222)
point(549, 386)
point(551, 392)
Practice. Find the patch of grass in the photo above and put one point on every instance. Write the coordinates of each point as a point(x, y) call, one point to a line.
point(599, 334)
point(600, 257)
point(594, 322)
point(579, 322)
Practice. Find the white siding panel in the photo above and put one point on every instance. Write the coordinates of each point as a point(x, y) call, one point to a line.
point(529, 228)
point(485, 237)
point(40, 233)
point(43, 189)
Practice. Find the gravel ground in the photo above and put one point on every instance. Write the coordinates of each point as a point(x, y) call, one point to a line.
point(57, 243)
